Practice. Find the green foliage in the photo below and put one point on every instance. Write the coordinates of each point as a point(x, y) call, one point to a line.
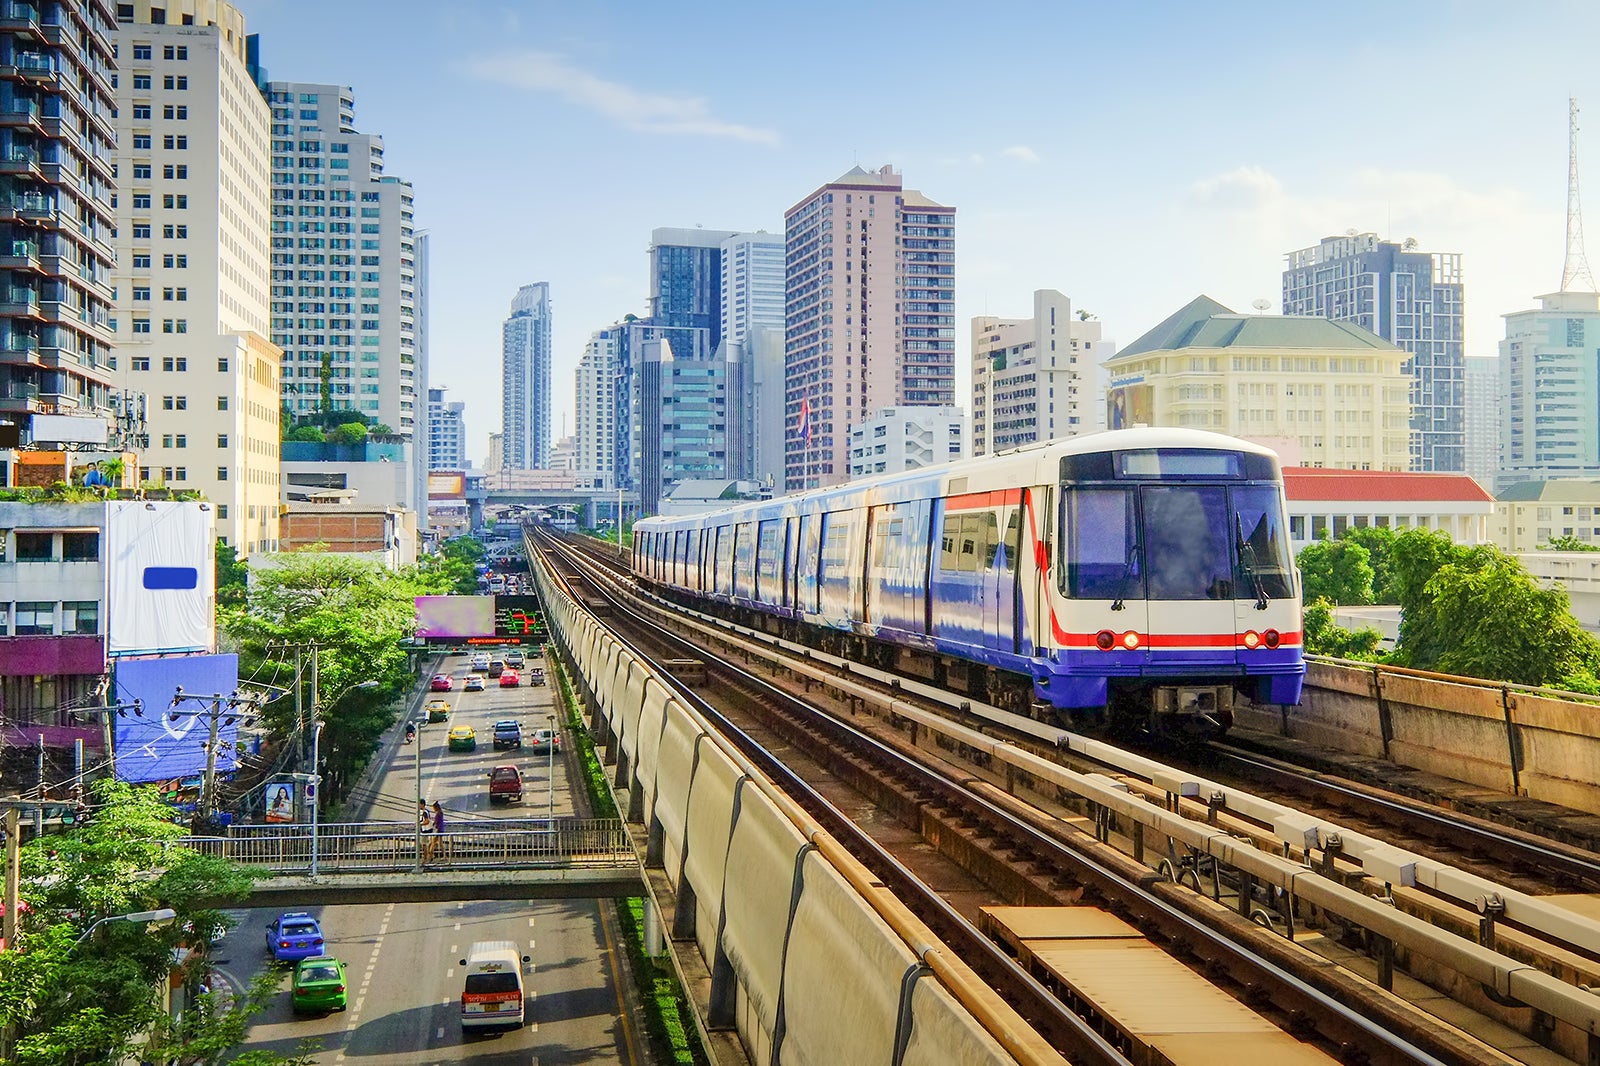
point(1324, 637)
point(70, 1001)
point(55, 492)
point(1379, 543)
point(379, 428)
point(1339, 571)
point(1570, 544)
point(454, 568)
point(233, 577)
point(307, 435)
point(349, 433)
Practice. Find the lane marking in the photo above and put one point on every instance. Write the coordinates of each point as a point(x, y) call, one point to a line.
point(453, 949)
point(457, 926)
point(449, 972)
point(616, 984)
point(530, 923)
point(439, 1033)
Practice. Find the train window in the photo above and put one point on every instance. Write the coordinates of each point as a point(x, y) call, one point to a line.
point(1101, 542)
point(971, 530)
point(948, 553)
point(1187, 543)
point(989, 530)
point(1265, 568)
point(1013, 543)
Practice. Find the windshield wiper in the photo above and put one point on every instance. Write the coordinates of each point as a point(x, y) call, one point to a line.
point(1127, 572)
point(1247, 562)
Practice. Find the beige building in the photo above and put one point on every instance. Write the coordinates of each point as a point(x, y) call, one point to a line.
point(1323, 393)
point(193, 264)
point(1034, 379)
point(1531, 514)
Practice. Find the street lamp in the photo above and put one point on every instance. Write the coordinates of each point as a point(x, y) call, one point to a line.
point(552, 773)
point(155, 917)
point(314, 780)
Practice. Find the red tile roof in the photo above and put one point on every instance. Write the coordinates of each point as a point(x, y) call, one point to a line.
point(1316, 483)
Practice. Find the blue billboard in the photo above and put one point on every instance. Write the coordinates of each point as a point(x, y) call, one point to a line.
point(168, 741)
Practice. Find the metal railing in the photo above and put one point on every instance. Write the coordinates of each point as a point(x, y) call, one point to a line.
point(375, 847)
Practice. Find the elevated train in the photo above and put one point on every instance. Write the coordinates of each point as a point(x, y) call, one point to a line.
point(1142, 571)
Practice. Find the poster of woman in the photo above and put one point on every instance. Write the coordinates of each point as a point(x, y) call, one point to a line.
point(280, 803)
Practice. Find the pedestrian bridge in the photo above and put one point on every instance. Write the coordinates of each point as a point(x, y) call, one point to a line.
point(392, 862)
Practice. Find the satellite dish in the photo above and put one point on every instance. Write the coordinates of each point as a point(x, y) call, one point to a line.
point(1351, 232)
point(1411, 244)
point(1261, 305)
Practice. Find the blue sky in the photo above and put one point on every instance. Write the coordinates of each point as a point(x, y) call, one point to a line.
point(1131, 156)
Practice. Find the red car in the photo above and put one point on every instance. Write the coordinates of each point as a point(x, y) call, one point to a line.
point(509, 679)
point(442, 683)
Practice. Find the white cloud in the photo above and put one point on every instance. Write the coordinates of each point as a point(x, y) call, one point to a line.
point(1021, 152)
point(1242, 188)
point(628, 107)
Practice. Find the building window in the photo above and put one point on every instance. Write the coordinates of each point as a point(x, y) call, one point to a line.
point(179, 233)
point(141, 292)
point(35, 618)
point(142, 325)
point(172, 142)
point(222, 403)
point(80, 546)
point(179, 262)
point(141, 81)
point(179, 364)
point(141, 261)
point(141, 362)
point(80, 616)
point(141, 142)
point(141, 231)
point(222, 473)
point(171, 171)
point(141, 51)
point(222, 514)
point(36, 547)
point(169, 51)
point(179, 82)
point(174, 403)
point(177, 202)
point(222, 440)
point(222, 364)
point(180, 473)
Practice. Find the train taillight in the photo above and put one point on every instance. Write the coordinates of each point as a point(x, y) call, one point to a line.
point(1130, 640)
point(1105, 640)
point(1252, 639)
point(1271, 638)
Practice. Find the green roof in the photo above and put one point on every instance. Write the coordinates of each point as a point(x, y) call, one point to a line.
point(1556, 490)
point(1204, 323)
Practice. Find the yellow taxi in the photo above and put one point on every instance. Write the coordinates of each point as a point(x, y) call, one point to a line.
point(438, 710)
point(462, 738)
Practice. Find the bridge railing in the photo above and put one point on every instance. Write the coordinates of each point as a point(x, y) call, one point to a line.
point(372, 847)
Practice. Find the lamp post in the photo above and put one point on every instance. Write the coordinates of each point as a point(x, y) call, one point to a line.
point(314, 779)
point(160, 917)
point(552, 772)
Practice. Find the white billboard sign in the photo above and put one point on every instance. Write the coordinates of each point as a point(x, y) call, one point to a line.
point(160, 578)
point(70, 429)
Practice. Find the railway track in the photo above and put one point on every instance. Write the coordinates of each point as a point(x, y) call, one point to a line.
point(1025, 856)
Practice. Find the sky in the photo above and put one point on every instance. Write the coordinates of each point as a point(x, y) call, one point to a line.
point(1130, 156)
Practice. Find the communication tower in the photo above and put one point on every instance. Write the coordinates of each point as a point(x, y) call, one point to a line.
point(1576, 266)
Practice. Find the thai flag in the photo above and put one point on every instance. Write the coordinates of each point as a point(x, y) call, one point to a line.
point(805, 420)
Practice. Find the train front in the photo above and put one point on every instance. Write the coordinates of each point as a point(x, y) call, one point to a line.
point(1175, 583)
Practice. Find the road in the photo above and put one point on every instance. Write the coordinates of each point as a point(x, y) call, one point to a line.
point(403, 960)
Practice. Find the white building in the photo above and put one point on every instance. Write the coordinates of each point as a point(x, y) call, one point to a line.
point(497, 453)
point(192, 274)
point(1035, 379)
point(525, 354)
point(1549, 390)
point(596, 382)
point(752, 285)
point(907, 438)
point(1483, 418)
point(761, 376)
point(564, 455)
point(447, 432)
point(1325, 502)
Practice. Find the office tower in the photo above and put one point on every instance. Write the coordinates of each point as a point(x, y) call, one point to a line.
point(525, 352)
point(424, 427)
point(497, 452)
point(596, 384)
point(1412, 299)
point(1483, 418)
point(56, 136)
point(907, 438)
point(1549, 396)
point(192, 274)
point(688, 420)
point(447, 432)
point(869, 291)
point(344, 263)
point(760, 358)
point(752, 285)
point(1034, 379)
point(1321, 392)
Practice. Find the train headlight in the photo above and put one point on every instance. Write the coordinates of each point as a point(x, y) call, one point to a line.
point(1105, 640)
point(1130, 639)
point(1252, 639)
point(1271, 638)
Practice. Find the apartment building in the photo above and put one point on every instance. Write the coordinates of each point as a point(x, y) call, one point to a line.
point(596, 385)
point(907, 438)
point(1035, 379)
point(1550, 390)
point(447, 432)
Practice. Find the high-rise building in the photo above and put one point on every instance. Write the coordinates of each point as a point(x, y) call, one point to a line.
point(1412, 299)
point(1323, 393)
point(1549, 394)
point(689, 423)
point(193, 263)
point(424, 428)
point(869, 291)
point(907, 438)
point(56, 228)
point(1033, 379)
point(344, 263)
point(752, 285)
point(596, 385)
point(760, 358)
point(497, 452)
point(447, 432)
point(1483, 418)
point(525, 351)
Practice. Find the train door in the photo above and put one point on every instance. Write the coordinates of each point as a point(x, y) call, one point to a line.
point(786, 565)
point(1188, 547)
point(807, 588)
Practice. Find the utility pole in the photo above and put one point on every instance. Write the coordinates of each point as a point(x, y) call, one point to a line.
point(209, 791)
point(13, 874)
point(299, 705)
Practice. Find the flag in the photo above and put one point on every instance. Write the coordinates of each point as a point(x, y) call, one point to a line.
point(805, 420)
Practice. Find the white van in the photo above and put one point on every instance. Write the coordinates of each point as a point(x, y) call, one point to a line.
point(493, 993)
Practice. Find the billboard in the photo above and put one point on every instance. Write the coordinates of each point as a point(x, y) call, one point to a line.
point(160, 566)
point(70, 429)
point(517, 616)
point(169, 741)
point(280, 802)
point(455, 617)
point(1130, 404)
point(447, 485)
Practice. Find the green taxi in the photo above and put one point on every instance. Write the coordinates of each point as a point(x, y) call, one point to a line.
point(319, 985)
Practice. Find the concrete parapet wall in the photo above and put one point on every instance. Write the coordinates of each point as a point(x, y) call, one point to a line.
point(1504, 737)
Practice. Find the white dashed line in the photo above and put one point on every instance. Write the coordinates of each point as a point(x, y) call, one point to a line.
point(530, 923)
point(453, 949)
point(457, 925)
point(439, 1033)
point(449, 971)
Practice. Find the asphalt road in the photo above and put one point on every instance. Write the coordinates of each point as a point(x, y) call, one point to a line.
point(402, 960)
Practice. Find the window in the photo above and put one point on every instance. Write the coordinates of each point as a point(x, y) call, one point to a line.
point(141, 142)
point(179, 201)
point(142, 51)
point(174, 403)
point(171, 142)
point(141, 81)
point(141, 292)
point(141, 231)
point(222, 403)
point(222, 364)
point(141, 362)
point(80, 546)
point(179, 82)
point(179, 364)
point(222, 473)
point(141, 261)
point(222, 440)
point(179, 262)
point(142, 325)
point(80, 616)
point(171, 233)
point(34, 618)
point(35, 547)
point(172, 171)
point(169, 51)
point(175, 111)
point(222, 513)
point(141, 112)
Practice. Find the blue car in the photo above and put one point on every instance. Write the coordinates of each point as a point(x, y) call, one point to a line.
point(294, 936)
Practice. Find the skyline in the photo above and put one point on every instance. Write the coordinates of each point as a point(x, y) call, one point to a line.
point(1044, 150)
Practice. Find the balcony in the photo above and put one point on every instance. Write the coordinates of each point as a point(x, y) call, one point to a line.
point(29, 66)
point(22, 20)
point(20, 160)
point(19, 301)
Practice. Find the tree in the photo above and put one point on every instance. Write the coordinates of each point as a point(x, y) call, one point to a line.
point(1336, 570)
point(1570, 544)
point(70, 999)
point(349, 433)
point(1325, 637)
point(1379, 542)
point(307, 434)
point(233, 576)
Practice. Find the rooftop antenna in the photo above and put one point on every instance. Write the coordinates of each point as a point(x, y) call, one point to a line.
point(1576, 266)
point(1261, 305)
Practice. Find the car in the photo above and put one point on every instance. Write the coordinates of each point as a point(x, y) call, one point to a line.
point(294, 936)
point(480, 662)
point(543, 739)
point(505, 784)
point(507, 734)
point(472, 683)
point(319, 985)
point(515, 659)
point(535, 675)
point(462, 738)
point(442, 683)
point(510, 679)
point(438, 710)
point(496, 667)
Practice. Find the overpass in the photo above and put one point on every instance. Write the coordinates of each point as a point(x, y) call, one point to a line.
point(589, 506)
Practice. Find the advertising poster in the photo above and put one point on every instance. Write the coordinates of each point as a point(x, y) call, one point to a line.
point(454, 617)
point(1129, 405)
point(169, 740)
point(160, 565)
point(280, 801)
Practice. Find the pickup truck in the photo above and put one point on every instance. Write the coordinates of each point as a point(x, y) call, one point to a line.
point(505, 785)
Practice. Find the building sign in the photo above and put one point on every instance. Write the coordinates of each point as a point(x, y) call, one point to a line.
point(1130, 405)
point(447, 485)
point(518, 616)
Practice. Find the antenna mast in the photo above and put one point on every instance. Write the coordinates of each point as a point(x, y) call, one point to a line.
point(1576, 266)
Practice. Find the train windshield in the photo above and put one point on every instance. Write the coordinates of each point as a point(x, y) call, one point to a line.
point(1175, 542)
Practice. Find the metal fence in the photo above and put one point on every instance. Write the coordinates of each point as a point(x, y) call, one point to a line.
point(366, 847)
